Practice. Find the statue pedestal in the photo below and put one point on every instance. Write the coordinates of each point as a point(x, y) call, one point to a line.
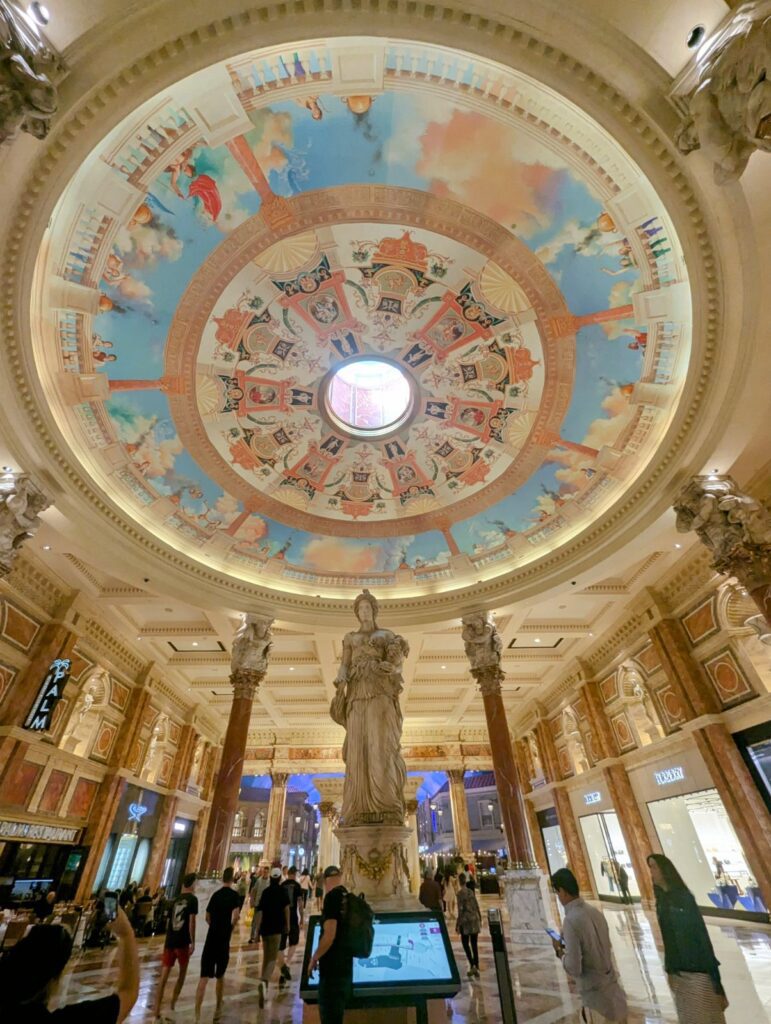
point(374, 860)
point(529, 905)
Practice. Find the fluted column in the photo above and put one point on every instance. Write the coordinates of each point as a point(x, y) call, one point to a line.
point(483, 647)
point(459, 810)
point(249, 663)
point(735, 528)
point(275, 820)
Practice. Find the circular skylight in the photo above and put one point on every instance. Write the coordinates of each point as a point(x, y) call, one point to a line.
point(369, 396)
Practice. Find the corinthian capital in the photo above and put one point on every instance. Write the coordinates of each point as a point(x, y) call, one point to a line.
point(21, 502)
point(245, 682)
point(483, 649)
point(735, 527)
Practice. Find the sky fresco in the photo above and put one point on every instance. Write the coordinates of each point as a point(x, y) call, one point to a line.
point(414, 138)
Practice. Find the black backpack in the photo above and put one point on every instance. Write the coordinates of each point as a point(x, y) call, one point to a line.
point(358, 925)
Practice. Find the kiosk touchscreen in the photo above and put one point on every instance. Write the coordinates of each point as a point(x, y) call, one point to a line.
point(411, 957)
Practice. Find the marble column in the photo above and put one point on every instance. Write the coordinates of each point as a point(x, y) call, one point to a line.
point(413, 851)
point(743, 803)
point(21, 502)
point(275, 819)
point(326, 835)
point(196, 843)
point(737, 530)
point(521, 757)
point(249, 663)
point(526, 887)
point(571, 838)
point(603, 731)
point(685, 675)
point(160, 847)
point(459, 810)
point(632, 827)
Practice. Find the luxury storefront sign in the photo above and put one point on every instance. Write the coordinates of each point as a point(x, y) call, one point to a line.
point(28, 830)
point(593, 798)
point(668, 775)
point(137, 812)
point(49, 695)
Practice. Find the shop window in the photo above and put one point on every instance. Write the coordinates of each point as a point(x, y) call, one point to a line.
point(258, 832)
point(608, 854)
point(697, 835)
point(122, 861)
point(140, 861)
point(104, 863)
point(555, 848)
point(238, 825)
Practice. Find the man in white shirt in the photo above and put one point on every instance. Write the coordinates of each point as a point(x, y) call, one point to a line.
point(586, 955)
point(261, 883)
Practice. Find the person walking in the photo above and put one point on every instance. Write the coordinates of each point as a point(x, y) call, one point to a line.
point(586, 955)
point(273, 914)
point(693, 970)
point(290, 939)
point(430, 894)
point(305, 884)
point(261, 883)
point(332, 957)
point(451, 894)
point(180, 942)
point(469, 923)
point(623, 883)
point(222, 913)
point(319, 891)
point(31, 970)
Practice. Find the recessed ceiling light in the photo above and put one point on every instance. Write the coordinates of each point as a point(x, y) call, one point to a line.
point(291, 668)
point(537, 640)
point(195, 643)
point(678, 546)
point(444, 666)
point(8, 469)
point(591, 634)
point(139, 638)
point(46, 547)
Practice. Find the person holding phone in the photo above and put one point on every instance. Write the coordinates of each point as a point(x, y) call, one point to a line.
point(469, 922)
point(31, 970)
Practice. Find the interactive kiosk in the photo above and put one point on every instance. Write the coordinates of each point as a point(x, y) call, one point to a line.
point(411, 962)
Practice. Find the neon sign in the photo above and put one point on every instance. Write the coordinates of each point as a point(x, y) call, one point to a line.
point(49, 695)
point(137, 812)
point(669, 775)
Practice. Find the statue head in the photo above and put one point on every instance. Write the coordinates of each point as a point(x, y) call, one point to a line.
point(365, 610)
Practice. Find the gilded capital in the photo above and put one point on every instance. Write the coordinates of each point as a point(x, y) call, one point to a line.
point(245, 682)
point(411, 806)
point(327, 809)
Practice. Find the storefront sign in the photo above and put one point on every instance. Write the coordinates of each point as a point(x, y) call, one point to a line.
point(137, 812)
point(46, 833)
point(593, 798)
point(49, 695)
point(668, 775)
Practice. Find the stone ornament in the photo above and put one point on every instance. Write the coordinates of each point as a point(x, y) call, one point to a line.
point(28, 97)
point(735, 527)
point(366, 704)
point(21, 502)
point(730, 111)
point(483, 650)
point(249, 653)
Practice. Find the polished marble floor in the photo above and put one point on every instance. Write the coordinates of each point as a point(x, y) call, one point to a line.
point(541, 990)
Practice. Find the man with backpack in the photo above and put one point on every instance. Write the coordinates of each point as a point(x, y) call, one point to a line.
point(347, 933)
point(180, 941)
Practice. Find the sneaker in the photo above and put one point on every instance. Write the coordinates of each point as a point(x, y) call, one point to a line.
point(470, 972)
point(286, 974)
point(281, 982)
point(261, 994)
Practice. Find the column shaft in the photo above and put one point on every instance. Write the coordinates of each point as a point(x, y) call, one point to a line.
point(413, 852)
point(228, 784)
point(196, 844)
point(572, 840)
point(275, 822)
point(632, 826)
point(603, 731)
point(682, 670)
point(154, 870)
point(459, 810)
point(507, 779)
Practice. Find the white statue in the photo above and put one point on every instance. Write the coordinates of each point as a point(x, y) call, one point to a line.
point(735, 527)
point(27, 65)
point(251, 645)
point(730, 111)
point(21, 502)
point(575, 741)
point(483, 649)
point(535, 756)
point(366, 704)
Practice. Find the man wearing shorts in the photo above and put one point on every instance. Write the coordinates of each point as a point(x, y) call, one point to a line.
point(273, 911)
point(221, 915)
point(180, 941)
point(290, 939)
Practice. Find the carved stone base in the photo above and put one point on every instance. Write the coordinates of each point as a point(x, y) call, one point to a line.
point(374, 861)
point(529, 904)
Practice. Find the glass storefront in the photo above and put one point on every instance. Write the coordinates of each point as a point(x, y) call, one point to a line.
point(755, 747)
point(552, 840)
point(696, 834)
point(608, 856)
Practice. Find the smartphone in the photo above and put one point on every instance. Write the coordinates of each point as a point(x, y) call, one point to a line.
point(554, 934)
point(111, 905)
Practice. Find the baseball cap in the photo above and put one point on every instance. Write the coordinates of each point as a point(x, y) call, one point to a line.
point(275, 872)
point(331, 870)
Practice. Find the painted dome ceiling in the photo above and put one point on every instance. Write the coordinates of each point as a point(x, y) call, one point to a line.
point(362, 312)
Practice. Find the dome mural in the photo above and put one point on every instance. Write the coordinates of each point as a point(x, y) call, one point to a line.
point(362, 311)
